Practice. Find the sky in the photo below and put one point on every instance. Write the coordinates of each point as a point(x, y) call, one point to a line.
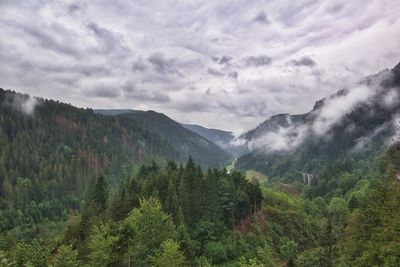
point(220, 64)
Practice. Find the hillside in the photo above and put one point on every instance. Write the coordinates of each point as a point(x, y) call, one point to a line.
point(352, 124)
point(185, 141)
point(51, 151)
point(216, 136)
point(224, 139)
point(188, 142)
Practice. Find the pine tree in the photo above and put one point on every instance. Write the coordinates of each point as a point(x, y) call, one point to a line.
point(171, 200)
point(100, 193)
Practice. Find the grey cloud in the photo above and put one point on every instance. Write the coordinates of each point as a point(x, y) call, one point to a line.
point(162, 64)
point(214, 72)
point(109, 41)
point(139, 65)
point(222, 59)
point(83, 69)
point(103, 91)
point(304, 61)
point(47, 38)
point(73, 8)
point(190, 106)
point(247, 108)
point(335, 8)
point(67, 50)
point(233, 74)
point(132, 92)
point(258, 61)
point(262, 18)
point(295, 12)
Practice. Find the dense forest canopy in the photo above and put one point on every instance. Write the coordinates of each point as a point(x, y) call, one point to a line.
point(79, 188)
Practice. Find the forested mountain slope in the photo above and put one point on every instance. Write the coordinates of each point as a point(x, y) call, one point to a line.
point(224, 139)
point(50, 152)
point(352, 124)
point(183, 216)
point(187, 141)
point(216, 136)
point(172, 214)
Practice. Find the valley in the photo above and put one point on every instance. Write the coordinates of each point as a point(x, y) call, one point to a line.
point(91, 185)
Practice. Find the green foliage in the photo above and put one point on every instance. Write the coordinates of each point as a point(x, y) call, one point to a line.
point(254, 262)
point(311, 258)
point(338, 209)
point(103, 246)
point(5, 260)
point(288, 250)
point(169, 256)
point(34, 254)
point(215, 251)
point(49, 158)
point(265, 255)
point(373, 233)
point(150, 227)
point(66, 256)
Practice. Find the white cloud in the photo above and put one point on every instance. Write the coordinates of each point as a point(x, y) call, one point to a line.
point(336, 108)
point(287, 136)
point(391, 98)
point(283, 139)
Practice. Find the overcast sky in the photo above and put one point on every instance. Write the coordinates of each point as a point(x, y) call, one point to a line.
point(221, 64)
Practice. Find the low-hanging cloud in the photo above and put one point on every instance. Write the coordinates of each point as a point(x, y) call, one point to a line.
point(331, 111)
point(337, 107)
point(281, 139)
point(22, 103)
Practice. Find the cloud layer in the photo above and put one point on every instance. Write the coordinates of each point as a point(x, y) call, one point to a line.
point(222, 64)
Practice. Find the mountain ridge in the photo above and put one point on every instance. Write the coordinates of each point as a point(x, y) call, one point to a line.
point(339, 125)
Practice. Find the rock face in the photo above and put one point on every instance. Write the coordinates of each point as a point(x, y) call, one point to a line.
point(309, 178)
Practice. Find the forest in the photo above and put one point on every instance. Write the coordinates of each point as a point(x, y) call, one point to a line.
point(182, 216)
point(84, 189)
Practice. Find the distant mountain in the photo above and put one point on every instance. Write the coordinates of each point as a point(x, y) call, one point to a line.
point(188, 143)
point(185, 141)
point(216, 136)
point(225, 140)
point(350, 124)
point(99, 142)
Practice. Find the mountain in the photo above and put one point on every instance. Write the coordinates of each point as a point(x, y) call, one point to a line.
point(352, 124)
point(188, 143)
point(50, 152)
point(225, 140)
point(216, 136)
point(344, 213)
point(175, 133)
